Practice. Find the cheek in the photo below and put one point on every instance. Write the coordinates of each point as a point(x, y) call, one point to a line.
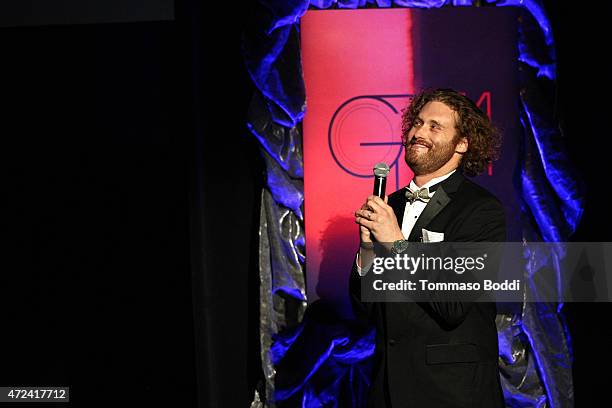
point(440, 139)
point(409, 136)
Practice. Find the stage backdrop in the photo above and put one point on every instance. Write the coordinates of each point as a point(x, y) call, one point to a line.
point(361, 67)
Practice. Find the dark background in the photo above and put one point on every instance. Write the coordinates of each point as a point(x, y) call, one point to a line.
point(121, 201)
point(15, 13)
point(583, 110)
point(103, 127)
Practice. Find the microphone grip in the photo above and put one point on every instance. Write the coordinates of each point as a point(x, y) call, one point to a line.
point(380, 183)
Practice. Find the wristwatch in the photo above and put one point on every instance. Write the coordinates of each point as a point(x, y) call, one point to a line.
point(399, 246)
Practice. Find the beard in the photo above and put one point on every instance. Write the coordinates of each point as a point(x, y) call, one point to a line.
point(429, 159)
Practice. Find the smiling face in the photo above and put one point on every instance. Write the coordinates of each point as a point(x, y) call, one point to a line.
point(433, 143)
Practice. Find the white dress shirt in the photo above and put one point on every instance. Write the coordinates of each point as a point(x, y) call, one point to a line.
point(413, 210)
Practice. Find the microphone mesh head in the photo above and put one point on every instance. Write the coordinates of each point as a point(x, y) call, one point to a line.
point(381, 169)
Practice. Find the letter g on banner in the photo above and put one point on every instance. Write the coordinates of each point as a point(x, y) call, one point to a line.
point(366, 129)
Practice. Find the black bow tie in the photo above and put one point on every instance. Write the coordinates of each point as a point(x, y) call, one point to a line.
point(421, 194)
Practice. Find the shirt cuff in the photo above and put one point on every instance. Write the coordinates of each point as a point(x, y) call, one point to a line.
point(359, 269)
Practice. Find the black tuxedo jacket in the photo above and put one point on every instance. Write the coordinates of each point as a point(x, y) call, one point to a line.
point(438, 354)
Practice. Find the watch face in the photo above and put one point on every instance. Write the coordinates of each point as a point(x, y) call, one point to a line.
point(400, 245)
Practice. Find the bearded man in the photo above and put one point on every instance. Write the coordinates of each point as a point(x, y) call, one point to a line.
point(434, 354)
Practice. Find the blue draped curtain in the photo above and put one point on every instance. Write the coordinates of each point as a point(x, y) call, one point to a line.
point(311, 358)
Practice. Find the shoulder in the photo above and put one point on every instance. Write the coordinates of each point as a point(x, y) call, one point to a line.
point(472, 195)
point(479, 215)
point(472, 204)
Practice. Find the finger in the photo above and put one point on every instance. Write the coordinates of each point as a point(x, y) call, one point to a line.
point(377, 205)
point(362, 213)
point(364, 223)
point(364, 206)
point(386, 199)
point(367, 214)
point(376, 199)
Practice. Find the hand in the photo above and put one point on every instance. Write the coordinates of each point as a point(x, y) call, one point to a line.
point(365, 236)
point(378, 218)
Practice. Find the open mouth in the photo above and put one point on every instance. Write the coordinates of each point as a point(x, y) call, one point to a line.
point(419, 145)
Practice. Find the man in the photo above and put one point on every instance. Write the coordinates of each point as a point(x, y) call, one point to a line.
point(434, 354)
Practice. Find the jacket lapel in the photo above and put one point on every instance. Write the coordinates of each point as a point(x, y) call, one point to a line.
point(433, 207)
point(441, 198)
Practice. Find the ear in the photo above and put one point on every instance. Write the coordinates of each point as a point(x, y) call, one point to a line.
point(462, 145)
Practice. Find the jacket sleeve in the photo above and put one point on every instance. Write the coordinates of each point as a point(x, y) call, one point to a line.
point(363, 311)
point(485, 223)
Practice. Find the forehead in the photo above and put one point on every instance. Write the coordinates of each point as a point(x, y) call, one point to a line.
point(439, 112)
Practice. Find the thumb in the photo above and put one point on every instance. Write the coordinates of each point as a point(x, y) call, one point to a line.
point(386, 199)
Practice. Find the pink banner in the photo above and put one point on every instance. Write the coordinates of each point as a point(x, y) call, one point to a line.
point(358, 73)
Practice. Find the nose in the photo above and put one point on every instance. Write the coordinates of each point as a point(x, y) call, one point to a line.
point(418, 131)
point(415, 132)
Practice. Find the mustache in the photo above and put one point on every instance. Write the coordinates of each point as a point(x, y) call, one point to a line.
point(415, 140)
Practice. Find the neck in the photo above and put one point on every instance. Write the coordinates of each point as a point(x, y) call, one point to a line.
point(422, 179)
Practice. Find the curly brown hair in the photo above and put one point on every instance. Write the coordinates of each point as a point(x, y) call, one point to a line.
point(484, 140)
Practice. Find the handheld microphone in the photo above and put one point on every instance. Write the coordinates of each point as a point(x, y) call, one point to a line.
point(380, 179)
